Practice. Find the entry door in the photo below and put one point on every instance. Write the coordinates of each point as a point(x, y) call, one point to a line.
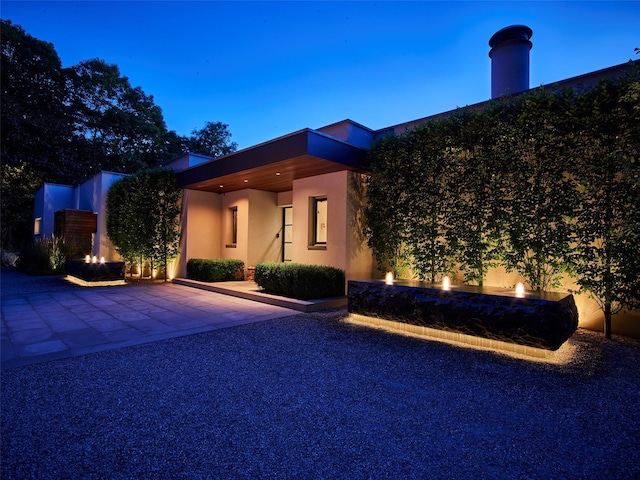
point(287, 230)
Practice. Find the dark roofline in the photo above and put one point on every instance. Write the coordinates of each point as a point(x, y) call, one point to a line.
point(346, 120)
point(585, 79)
point(298, 144)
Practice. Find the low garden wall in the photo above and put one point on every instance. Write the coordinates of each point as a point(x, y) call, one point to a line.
point(95, 272)
point(544, 320)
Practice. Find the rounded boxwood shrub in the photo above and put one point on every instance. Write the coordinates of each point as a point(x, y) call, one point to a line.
point(215, 270)
point(296, 280)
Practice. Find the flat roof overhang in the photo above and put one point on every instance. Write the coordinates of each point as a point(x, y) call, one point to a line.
point(272, 166)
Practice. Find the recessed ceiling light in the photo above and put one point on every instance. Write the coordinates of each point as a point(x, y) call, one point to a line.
point(246, 181)
point(278, 173)
point(221, 186)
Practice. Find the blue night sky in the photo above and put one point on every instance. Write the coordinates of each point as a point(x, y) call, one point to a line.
point(271, 68)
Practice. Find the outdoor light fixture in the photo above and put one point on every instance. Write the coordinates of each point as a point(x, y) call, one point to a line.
point(102, 260)
point(94, 259)
point(520, 290)
point(446, 283)
point(87, 259)
point(388, 278)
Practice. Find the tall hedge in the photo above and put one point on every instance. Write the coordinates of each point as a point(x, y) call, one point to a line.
point(143, 217)
point(545, 183)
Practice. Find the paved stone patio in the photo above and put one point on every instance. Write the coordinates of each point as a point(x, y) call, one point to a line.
point(47, 325)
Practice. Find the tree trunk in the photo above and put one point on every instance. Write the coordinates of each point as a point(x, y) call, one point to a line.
point(607, 320)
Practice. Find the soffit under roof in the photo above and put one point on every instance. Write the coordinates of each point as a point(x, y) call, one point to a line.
point(272, 166)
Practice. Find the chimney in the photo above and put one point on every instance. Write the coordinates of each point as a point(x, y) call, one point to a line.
point(510, 60)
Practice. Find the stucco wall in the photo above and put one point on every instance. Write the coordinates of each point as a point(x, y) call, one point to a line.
point(239, 199)
point(359, 257)
point(201, 220)
point(346, 248)
point(334, 187)
point(265, 228)
point(49, 199)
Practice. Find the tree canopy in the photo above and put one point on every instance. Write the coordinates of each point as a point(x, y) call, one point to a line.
point(62, 125)
point(143, 217)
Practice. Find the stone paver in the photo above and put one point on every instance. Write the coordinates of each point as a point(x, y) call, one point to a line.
point(47, 325)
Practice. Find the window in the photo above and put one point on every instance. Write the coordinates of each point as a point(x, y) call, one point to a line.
point(37, 226)
point(318, 222)
point(232, 227)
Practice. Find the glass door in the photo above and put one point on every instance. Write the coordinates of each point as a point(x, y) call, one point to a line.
point(287, 230)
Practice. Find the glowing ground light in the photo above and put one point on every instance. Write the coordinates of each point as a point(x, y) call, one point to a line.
point(446, 283)
point(520, 290)
point(561, 356)
point(388, 279)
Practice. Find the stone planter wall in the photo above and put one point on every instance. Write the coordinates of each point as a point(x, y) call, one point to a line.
point(95, 272)
point(545, 320)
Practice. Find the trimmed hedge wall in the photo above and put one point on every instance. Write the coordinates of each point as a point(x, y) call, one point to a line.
point(215, 270)
point(296, 280)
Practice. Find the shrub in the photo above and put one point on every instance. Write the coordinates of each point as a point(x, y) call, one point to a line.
point(215, 270)
point(300, 281)
point(43, 256)
point(9, 259)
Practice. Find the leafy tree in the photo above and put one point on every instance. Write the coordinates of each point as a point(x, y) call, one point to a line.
point(425, 166)
point(143, 217)
point(36, 135)
point(213, 140)
point(122, 219)
point(64, 125)
point(542, 197)
point(477, 163)
point(125, 127)
point(608, 174)
point(387, 194)
point(165, 217)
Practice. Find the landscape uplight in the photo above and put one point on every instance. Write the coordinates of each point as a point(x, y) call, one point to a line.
point(446, 283)
point(520, 290)
point(388, 278)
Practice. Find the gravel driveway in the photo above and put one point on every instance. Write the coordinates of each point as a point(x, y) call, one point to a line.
point(311, 396)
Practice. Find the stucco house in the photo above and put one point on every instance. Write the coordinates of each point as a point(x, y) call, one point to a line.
point(76, 212)
point(296, 198)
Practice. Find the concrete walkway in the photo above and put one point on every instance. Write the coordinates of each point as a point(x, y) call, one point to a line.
point(68, 320)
